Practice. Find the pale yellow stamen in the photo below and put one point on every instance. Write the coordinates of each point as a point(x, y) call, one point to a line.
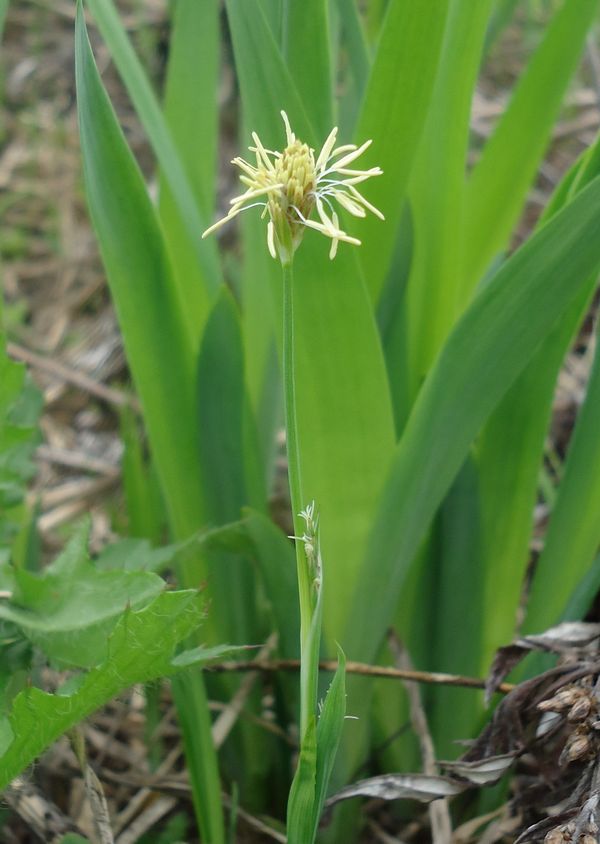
point(348, 159)
point(290, 137)
point(326, 151)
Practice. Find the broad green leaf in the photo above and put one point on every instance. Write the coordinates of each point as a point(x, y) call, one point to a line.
point(140, 649)
point(307, 34)
point(70, 608)
point(172, 167)
point(149, 309)
point(487, 350)
point(437, 189)
point(499, 182)
point(393, 114)
point(573, 535)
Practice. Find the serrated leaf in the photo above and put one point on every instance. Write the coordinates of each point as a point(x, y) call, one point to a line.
point(69, 609)
point(140, 650)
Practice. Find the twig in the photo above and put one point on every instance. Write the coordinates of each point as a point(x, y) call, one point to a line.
point(72, 376)
point(383, 671)
point(93, 789)
point(158, 807)
point(40, 814)
point(76, 460)
point(226, 720)
point(84, 488)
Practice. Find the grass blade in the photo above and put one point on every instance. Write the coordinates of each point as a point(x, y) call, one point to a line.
point(437, 188)
point(307, 34)
point(358, 50)
point(172, 168)
point(393, 114)
point(499, 182)
point(139, 274)
point(191, 115)
point(510, 449)
point(265, 81)
point(487, 350)
point(574, 531)
point(190, 107)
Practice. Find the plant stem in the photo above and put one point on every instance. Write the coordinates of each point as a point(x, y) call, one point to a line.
point(296, 493)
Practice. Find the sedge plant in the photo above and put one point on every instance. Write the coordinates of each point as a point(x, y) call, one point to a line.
point(415, 374)
point(288, 185)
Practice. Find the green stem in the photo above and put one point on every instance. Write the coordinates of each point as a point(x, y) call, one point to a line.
point(307, 701)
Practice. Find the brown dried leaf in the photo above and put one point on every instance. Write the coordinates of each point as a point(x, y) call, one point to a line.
point(505, 659)
point(482, 772)
point(422, 787)
point(564, 637)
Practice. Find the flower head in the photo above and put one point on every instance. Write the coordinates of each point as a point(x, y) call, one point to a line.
point(288, 185)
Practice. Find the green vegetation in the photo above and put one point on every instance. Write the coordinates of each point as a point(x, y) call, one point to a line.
point(414, 375)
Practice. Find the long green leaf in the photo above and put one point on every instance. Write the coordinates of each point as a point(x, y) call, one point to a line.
point(511, 446)
point(150, 313)
point(573, 535)
point(458, 612)
point(437, 188)
point(393, 115)
point(307, 34)
point(166, 151)
point(487, 350)
point(190, 104)
point(158, 345)
point(191, 115)
point(221, 418)
point(329, 733)
point(265, 81)
point(499, 182)
point(358, 50)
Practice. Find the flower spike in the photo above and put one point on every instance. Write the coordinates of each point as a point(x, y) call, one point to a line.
point(290, 184)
